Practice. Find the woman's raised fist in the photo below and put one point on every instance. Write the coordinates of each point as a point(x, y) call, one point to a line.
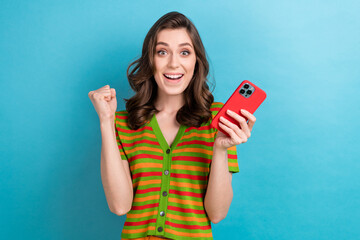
point(104, 101)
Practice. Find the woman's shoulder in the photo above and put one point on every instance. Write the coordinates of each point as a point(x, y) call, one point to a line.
point(215, 108)
point(121, 119)
point(122, 113)
point(216, 105)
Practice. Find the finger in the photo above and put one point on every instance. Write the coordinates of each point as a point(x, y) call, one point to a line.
point(240, 133)
point(242, 122)
point(252, 118)
point(98, 96)
point(90, 94)
point(106, 93)
point(233, 126)
point(234, 138)
point(113, 92)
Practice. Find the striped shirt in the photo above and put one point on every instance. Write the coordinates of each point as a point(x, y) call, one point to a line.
point(169, 181)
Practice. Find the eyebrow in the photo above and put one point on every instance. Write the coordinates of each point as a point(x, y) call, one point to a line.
point(180, 45)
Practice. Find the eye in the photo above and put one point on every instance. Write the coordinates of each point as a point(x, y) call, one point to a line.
point(161, 52)
point(185, 53)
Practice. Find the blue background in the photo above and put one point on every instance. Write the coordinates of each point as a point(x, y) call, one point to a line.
point(299, 171)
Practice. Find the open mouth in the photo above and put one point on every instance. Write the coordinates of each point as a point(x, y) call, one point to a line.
point(173, 77)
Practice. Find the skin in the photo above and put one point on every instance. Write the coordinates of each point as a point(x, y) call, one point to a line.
point(173, 57)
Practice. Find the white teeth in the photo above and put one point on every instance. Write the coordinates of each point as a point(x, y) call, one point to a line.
point(173, 76)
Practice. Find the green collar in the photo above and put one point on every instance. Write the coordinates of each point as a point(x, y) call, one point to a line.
point(160, 137)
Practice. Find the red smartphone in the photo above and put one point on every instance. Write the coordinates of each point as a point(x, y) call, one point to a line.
point(247, 96)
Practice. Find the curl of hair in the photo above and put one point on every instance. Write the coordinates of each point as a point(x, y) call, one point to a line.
point(198, 97)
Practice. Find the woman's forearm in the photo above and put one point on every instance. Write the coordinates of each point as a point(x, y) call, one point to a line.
point(115, 174)
point(219, 191)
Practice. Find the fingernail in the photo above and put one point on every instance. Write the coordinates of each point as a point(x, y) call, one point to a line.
point(228, 111)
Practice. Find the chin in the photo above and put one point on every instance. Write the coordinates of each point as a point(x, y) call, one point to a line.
point(174, 92)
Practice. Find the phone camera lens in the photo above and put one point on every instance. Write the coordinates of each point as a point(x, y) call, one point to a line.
point(246, 86)
point(242, 91)
point(248, 91)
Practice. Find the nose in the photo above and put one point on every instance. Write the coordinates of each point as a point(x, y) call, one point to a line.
point(173, 61)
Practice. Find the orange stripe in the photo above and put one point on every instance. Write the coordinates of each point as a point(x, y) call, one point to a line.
point(145, 165)
point(145, 134)
point(199, 150)
point(185, 202)
point(128, 231)
point(233, 148)
point(185, 234)
point(216, 103)
point(140, 215)
point(189, 168)
point(187, 185)
point(143, 148)
point(145, 238)
point(181, 218)
point(143, 199)
point(200, 135)
point(233, 164)
point(143, 183)
point(121, 123)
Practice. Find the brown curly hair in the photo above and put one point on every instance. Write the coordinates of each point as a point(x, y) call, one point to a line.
point(198, 97)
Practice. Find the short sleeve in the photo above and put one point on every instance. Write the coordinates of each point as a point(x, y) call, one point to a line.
point(118, 140)
point(232, 151)
point(232, 160)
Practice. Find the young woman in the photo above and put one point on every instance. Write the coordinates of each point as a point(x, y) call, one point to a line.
point(161, 162)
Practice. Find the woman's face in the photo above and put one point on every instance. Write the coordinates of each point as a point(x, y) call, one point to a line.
point(174, 61)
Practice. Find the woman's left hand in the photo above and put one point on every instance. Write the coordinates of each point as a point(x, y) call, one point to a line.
point(239, 133)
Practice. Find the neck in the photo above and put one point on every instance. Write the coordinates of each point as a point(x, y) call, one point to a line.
point(169, 104)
